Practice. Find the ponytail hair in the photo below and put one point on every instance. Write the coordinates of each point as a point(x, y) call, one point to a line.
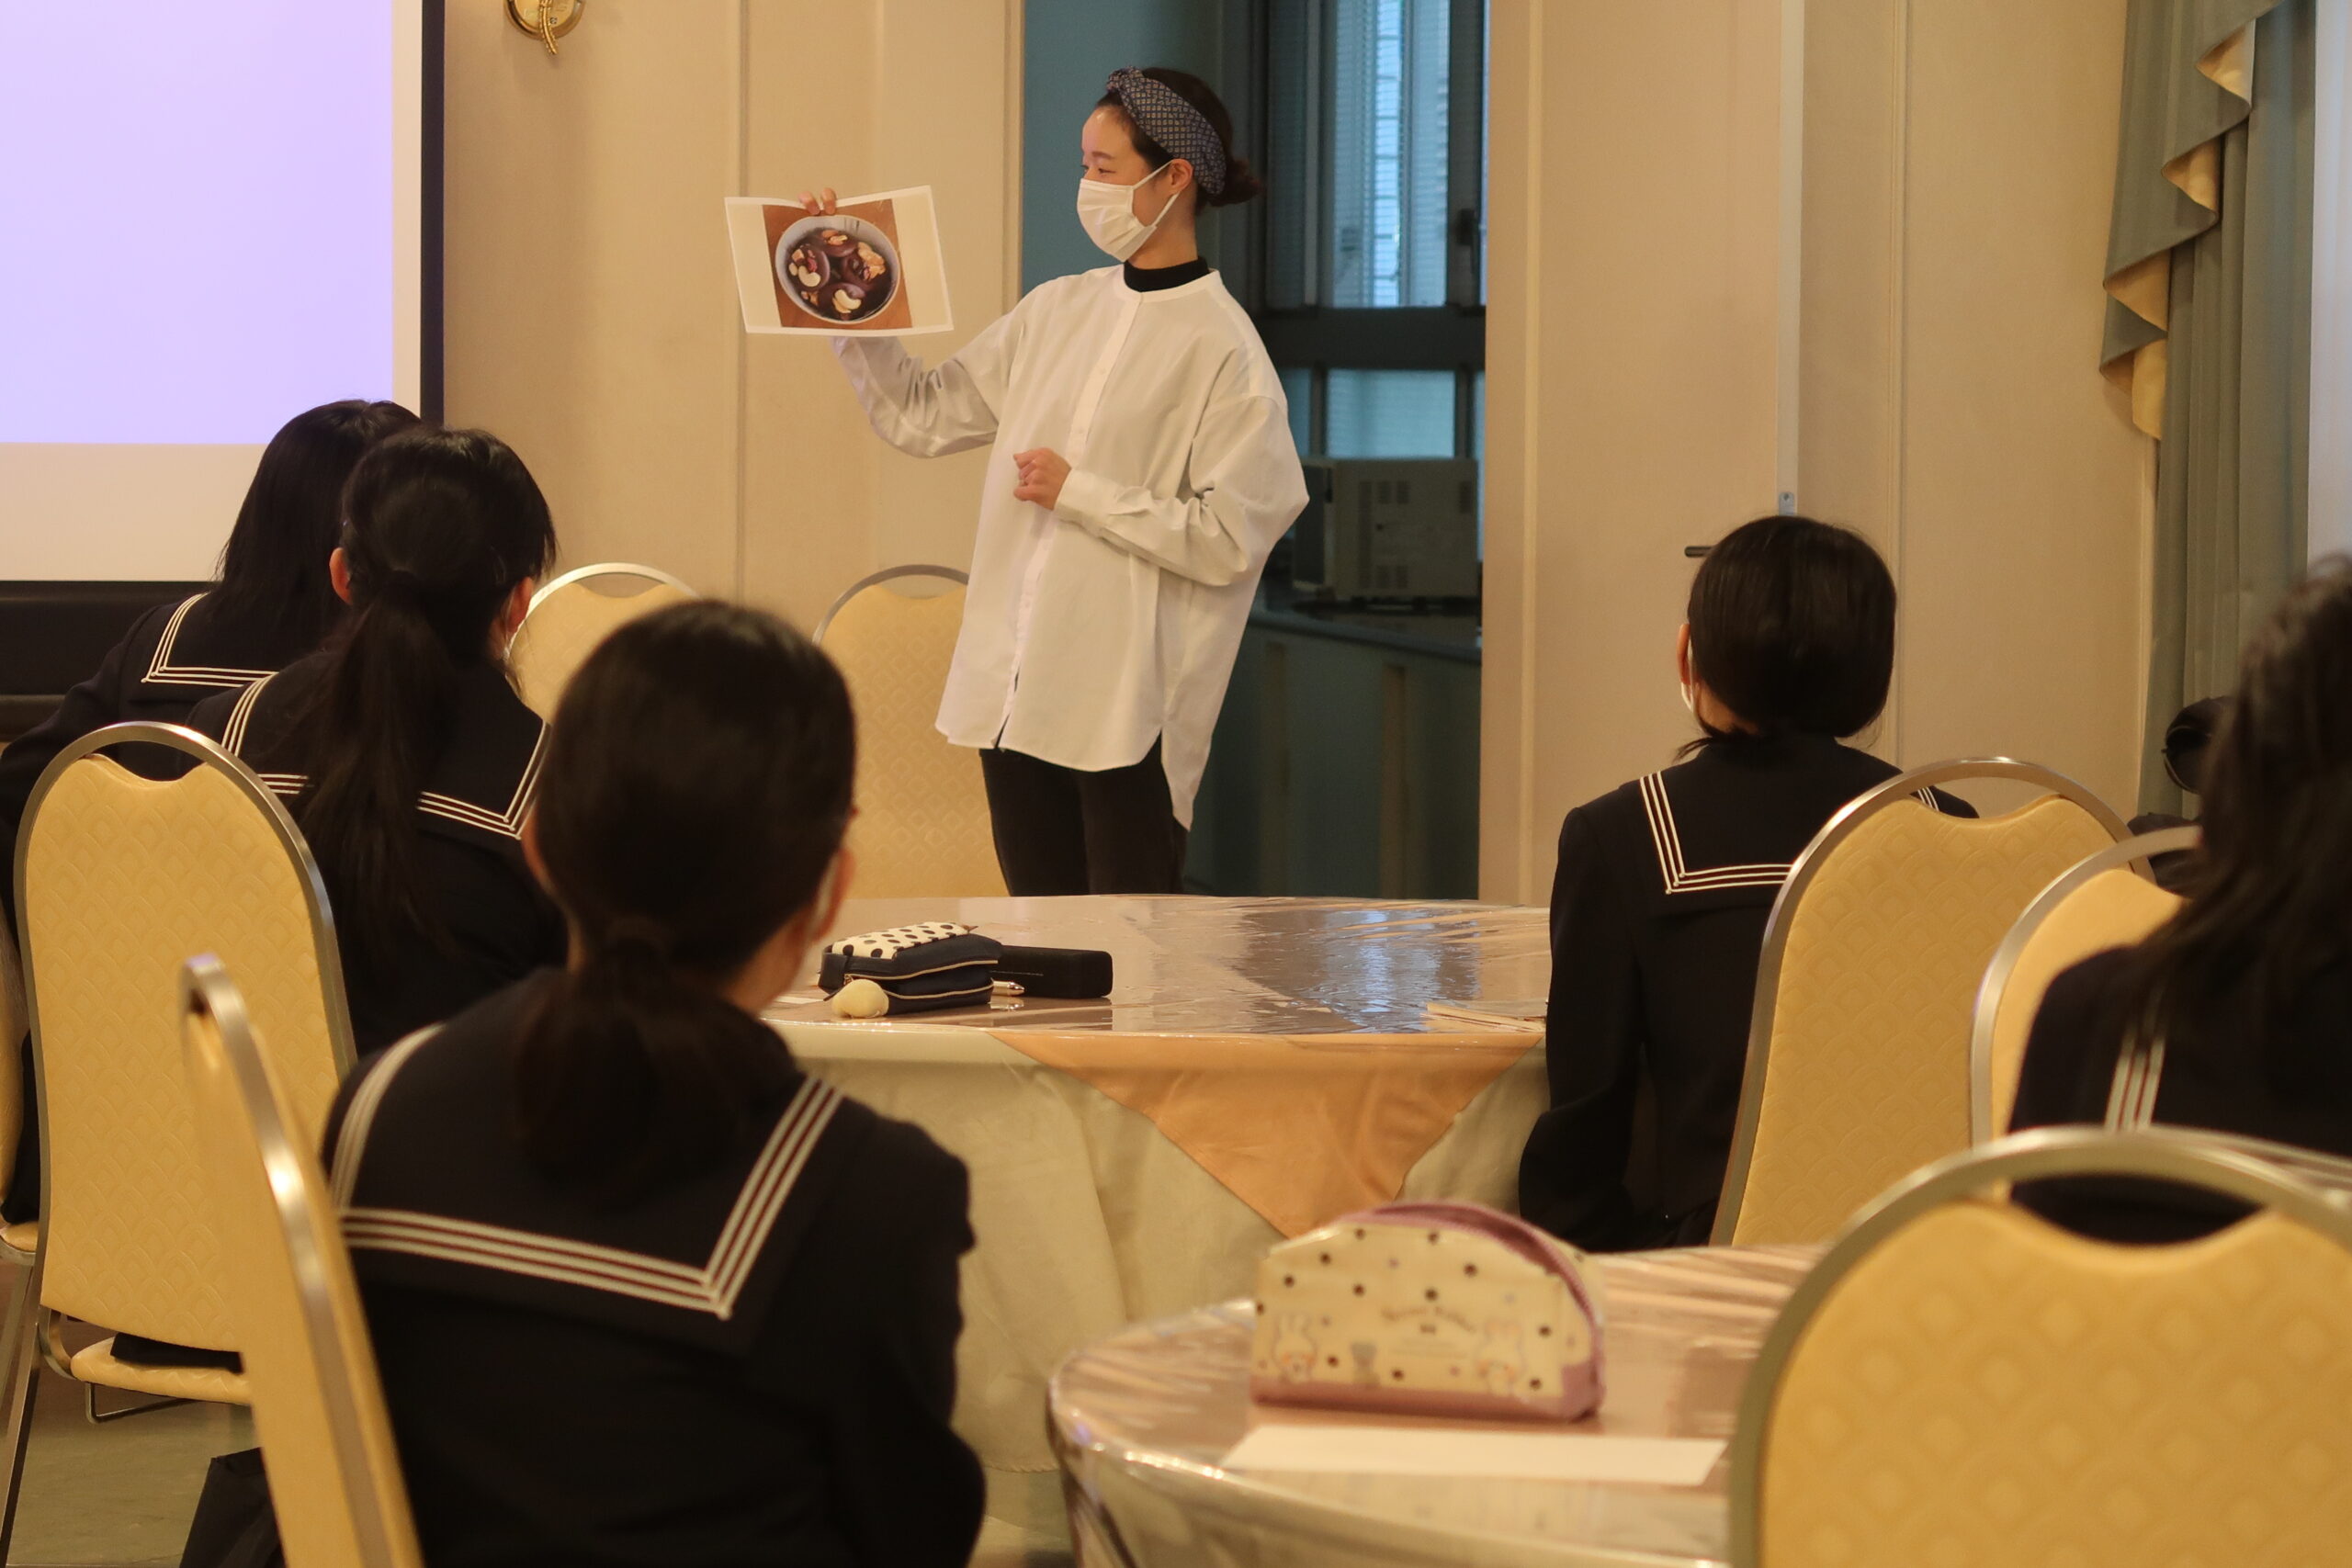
point(439, 526)
point(696, 792)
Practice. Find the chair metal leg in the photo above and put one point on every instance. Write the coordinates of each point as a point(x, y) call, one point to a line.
point(154, 1402)
point(52, 1336)
point(61, 1361)
point(22, 1378)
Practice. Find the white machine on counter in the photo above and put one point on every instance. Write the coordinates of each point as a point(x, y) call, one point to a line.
point(1389, 528)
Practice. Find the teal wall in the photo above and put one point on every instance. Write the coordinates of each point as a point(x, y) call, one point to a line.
point(1339, 769)
point(1068, 46)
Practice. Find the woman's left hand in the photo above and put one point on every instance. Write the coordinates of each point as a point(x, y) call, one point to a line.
point(1041, 472)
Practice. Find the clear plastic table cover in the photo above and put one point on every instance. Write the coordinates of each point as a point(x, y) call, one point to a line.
point(1143, 1420)
point(1197, 966)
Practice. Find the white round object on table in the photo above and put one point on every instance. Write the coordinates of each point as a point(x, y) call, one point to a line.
point(862, 999)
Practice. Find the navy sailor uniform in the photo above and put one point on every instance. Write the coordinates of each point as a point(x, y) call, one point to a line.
point(754, 1363)
point(173, 658)
point(1658, 919)
point(471, 872)
point(2293, 1089)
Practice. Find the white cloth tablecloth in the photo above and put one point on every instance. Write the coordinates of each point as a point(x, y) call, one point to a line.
point(1145, 1417)
point(1088, 1217)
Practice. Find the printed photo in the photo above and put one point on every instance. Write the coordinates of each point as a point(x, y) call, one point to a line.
point(872, 266)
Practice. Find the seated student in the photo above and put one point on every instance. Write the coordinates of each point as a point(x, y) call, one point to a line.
point(1664, 884)
point(2248, 988)
point(407, 756)
point(272, 605)
point(2187, 740)
point(700, 1309)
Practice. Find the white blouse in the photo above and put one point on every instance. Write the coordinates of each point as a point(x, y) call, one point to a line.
point(1112, 621)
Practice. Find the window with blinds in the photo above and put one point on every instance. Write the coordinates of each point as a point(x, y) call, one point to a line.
point(1369, 283)
point(1390, 92)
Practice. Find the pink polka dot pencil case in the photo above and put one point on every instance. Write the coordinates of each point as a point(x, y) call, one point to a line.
point(1429, 1309)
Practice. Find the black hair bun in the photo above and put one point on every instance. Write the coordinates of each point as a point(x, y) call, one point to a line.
point(1241, 183)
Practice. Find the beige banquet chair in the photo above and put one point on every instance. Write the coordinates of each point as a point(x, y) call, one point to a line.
point(1858, 1049)
point(1960, 1383)
point(119, 879)
point(2110, 900)
point(16, 1241)
point(922, 813)
point(574, 612)
point(334, 1478)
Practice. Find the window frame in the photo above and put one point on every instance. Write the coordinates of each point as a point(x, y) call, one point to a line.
point(1319, 338)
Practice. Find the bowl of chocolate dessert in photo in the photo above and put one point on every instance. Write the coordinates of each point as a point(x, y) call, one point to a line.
point(837, 268)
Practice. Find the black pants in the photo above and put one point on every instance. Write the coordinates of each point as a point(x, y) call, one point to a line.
point(1060, 831)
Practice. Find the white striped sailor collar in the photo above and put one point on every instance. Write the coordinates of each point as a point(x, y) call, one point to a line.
point(478, 787)
point(707, 1299)
point(1666, 839)
point(166, 668)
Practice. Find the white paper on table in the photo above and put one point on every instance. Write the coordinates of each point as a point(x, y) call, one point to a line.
point(1510, 1014)
point(1364, 1449)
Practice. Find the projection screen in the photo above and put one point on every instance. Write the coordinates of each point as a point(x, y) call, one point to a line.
point(211, 217)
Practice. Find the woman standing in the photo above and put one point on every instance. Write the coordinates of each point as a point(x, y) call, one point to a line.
point(1141, 470)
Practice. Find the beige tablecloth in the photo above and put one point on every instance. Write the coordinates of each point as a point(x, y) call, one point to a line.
point(1283, 1041)
point(1147, 1416)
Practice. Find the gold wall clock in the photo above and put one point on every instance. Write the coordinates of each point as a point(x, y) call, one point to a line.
point(545, 20)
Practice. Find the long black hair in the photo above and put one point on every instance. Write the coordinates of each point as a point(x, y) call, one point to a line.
point(274, 568)
point(697, 789)
point(2269, 900)
point(1793, 628)
point(1241, 181)
point(440, 526)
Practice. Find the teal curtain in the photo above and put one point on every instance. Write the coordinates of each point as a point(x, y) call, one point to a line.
point(2210, 321)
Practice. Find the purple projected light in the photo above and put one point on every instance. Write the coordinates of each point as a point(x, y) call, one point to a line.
point(195, 215)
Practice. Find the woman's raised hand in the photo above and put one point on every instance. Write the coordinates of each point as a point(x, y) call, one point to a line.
point(821, 200)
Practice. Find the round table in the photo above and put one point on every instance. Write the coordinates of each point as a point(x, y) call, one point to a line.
point(1142, 1421)
point(1261, 1066)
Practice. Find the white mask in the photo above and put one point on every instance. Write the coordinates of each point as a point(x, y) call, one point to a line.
point(1107, 213)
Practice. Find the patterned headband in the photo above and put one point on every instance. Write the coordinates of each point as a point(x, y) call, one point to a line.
point(1169, 118)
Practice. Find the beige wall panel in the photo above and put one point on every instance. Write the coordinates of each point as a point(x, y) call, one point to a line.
point(807, 485)
point(961, 61)
point(1631, 381)
point(592, 315)
point(914, 93)
point(2021, 471)
point(1515, 104)
point(590, 320)
point(1957, 164)
point(1849, 467)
